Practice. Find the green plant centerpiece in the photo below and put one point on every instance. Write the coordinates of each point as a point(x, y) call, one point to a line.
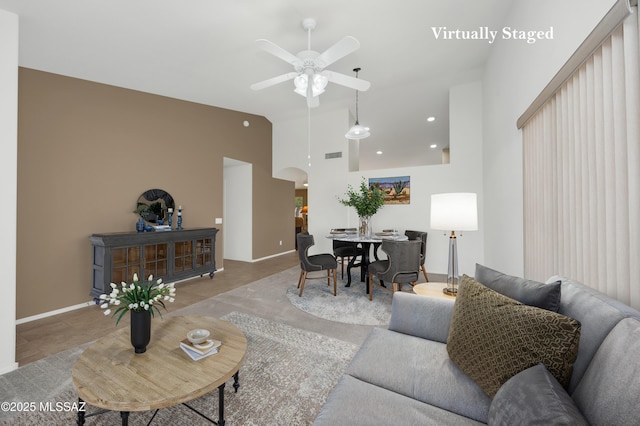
point(367, 201)
point(143, 300)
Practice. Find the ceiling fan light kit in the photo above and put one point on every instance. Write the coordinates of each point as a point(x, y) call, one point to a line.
point(310, 76)
point(357, 131)
point(318, 84)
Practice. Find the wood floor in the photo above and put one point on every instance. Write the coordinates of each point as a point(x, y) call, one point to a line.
point(41, 338)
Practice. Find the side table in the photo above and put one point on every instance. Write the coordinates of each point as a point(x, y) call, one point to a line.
point(432, 289)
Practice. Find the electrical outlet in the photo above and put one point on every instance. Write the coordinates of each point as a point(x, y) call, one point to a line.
point(280, 242)
point(218, 220)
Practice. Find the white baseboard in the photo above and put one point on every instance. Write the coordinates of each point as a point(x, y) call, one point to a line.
point(10, 368)
point(272, 256)
point(55, 312)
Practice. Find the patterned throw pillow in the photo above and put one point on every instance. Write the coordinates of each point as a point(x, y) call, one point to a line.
point(493, 337)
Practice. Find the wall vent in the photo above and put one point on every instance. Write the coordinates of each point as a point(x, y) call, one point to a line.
point(330, 155)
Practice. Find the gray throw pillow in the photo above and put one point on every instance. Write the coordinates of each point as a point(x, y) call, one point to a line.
point(534, 396)
point(532, 293)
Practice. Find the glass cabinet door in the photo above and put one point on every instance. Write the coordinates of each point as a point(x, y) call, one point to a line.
point(204, 252)
point(183, 256)
point(126, 262)
point(155, 260)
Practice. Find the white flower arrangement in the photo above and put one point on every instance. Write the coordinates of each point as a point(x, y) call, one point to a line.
point(138, 296)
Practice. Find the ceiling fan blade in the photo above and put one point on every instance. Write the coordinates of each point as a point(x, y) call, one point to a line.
point(273, 81)
point(339, 50)
point(277, 51)
point(346, 80)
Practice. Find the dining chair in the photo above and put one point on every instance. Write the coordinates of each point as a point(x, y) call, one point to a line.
point(401, 266)
point(346, 250)
point(314, 263)
point(422, 236)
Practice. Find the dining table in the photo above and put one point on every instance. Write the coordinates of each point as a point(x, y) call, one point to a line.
point(366, 242)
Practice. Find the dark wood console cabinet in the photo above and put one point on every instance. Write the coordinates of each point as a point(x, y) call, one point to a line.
point(170, 255)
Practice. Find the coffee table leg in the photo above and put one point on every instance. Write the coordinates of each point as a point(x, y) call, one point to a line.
point(124, 415)
point(80, 421)
point(236, 383)
point(221, 405)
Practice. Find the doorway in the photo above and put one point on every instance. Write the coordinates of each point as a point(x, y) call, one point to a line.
point(237, 210)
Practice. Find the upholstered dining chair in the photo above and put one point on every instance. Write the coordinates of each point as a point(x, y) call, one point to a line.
point(401, 266)
point(346, 250)
point(422, 236)
point(314, 263)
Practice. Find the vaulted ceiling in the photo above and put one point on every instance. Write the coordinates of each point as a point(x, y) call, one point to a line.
point(204, 51)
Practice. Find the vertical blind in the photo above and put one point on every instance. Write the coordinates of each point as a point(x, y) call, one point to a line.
point(581, 162)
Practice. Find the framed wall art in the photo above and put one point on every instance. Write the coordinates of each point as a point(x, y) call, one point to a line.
point(397, 189)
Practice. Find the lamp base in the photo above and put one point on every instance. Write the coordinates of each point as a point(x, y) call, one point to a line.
point(450, 291)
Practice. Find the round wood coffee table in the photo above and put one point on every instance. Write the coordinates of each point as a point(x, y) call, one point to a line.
point(109, 375)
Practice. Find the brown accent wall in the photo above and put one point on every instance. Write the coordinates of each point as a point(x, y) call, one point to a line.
point(86, 151)
point(302, 193)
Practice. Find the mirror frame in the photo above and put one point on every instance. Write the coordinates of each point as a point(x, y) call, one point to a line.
point(152, 205)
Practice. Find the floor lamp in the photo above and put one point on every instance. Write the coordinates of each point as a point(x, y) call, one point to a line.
point(454, 212)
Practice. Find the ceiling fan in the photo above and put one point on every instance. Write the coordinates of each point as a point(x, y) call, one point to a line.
point(310, 76)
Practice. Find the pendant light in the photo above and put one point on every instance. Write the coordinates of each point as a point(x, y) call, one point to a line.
point(357, 131)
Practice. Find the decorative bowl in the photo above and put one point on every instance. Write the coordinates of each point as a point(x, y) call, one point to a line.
point(198, 335)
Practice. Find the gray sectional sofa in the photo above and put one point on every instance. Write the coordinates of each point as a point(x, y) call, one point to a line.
point(404, 375)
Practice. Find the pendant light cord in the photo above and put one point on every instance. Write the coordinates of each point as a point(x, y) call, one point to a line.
point(357, 117)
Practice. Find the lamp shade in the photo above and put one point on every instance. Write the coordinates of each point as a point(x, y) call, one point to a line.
point(357, 132)
point(454, 211)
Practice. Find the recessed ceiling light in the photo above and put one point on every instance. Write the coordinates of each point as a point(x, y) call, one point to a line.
point(430, 119)
point(378, 152)
point(433, 145)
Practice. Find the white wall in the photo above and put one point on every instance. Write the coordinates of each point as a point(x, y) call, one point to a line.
point(8, 185)
point(328, 179)
point(515, 74)
point(237, 222)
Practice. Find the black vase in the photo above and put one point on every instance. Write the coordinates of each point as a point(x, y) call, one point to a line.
point(140, 330)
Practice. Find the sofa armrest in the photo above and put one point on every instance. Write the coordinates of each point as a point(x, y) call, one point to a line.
point(421, 316)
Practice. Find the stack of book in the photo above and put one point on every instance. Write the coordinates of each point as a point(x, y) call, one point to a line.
point(200, 350)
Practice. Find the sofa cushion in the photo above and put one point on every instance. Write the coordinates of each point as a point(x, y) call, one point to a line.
point(493, 337)
point(355, 402)
point(533, 293)
point(597, 313)
point(426, 317)
point(419, 369)
point(534, 396)
point(608, 392)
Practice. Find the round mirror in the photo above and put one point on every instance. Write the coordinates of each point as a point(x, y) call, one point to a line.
point(153, 205)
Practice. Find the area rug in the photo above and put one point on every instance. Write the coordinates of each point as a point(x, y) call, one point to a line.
point(351, 305)
point(286, 377)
